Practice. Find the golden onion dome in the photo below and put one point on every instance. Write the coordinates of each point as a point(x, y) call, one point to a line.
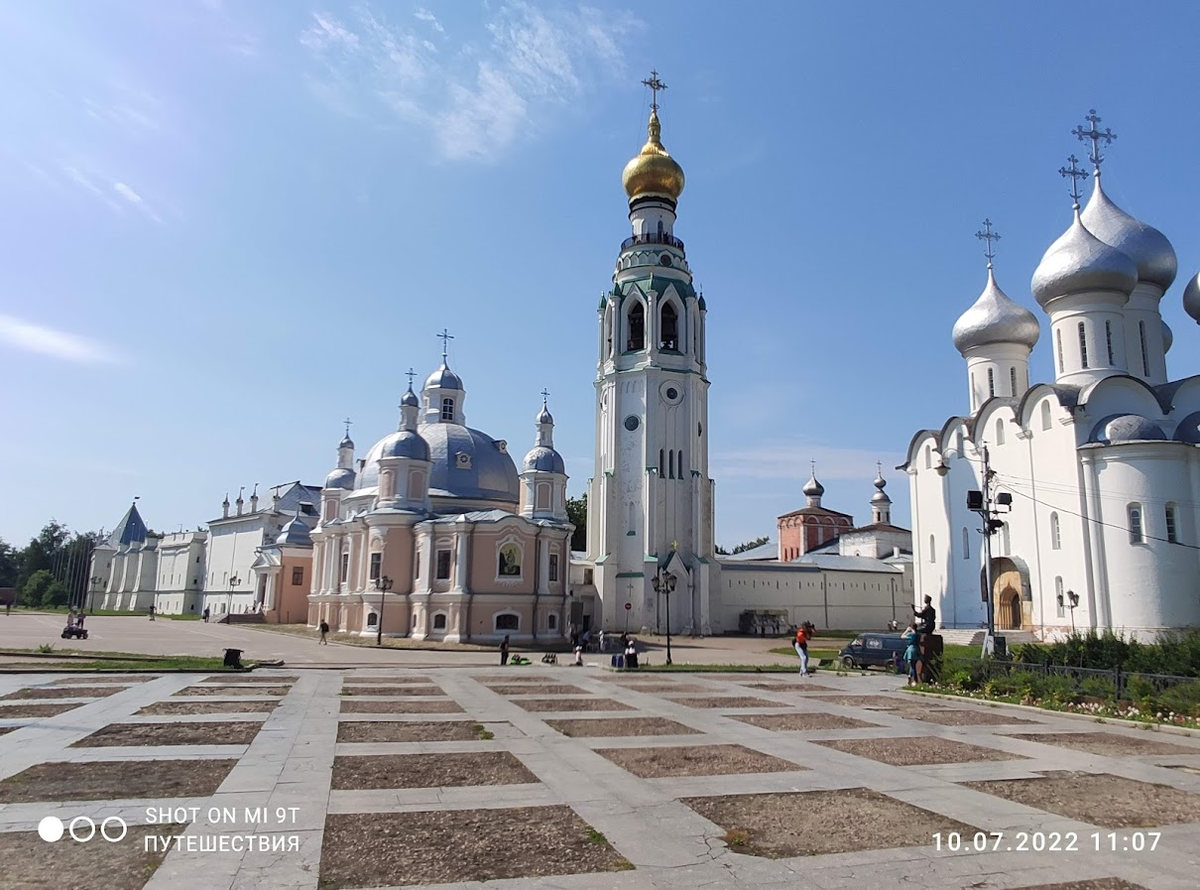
point(653, 171)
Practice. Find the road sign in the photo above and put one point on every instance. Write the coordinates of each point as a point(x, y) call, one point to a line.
point(628, 606)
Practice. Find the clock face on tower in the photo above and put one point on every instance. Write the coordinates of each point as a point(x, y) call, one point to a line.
point(632, 422)
point(672, 393)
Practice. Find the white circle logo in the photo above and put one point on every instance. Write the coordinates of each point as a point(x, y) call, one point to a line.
point(51, 829)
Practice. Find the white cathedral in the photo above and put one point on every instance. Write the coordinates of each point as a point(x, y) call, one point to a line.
point(1101, 465)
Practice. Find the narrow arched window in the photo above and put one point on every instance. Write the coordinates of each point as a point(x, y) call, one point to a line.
point(966, 548)
point(991, 383)
point(932, 551)
point(974, 398)
point(637, 327)
point(999, 430)
point(608, 330)
point(662, 464)
point(680, 464)
point(1055, 533)
point(669, 338)
point(1083, 356)
point(1012, 382)
point(447, 409)
point(1136, 533)
point(1059, 603)
point(1058, 341)
point(1045, 415)
point(1108, 341)
point(1142, 340)
point(671, 464)
point(1172, 525)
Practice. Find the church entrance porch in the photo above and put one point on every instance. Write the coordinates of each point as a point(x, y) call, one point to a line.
point(1012, 596)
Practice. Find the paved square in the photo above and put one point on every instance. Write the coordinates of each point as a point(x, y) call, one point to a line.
point(520, 777)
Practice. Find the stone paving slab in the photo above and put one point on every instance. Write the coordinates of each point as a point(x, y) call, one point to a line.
point(288, 766)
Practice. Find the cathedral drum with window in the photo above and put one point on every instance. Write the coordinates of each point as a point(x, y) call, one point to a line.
point(1102, 465)
point(436, 536)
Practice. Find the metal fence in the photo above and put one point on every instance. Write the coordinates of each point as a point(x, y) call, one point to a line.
point(1115, 678)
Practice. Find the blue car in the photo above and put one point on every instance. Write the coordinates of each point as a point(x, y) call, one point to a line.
point(874, 650)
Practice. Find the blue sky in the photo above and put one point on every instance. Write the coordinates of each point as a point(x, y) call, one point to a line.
point(227, 226)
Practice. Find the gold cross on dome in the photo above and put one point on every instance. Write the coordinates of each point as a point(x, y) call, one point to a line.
point(989, 236)
point(655, 85)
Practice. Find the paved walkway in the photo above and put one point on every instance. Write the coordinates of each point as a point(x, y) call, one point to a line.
point(288, 765)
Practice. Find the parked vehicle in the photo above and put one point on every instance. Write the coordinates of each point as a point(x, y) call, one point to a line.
point(874, 650)
point(74, 631)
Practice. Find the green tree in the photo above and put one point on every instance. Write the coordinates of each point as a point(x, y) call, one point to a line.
point(34, 589)
point(577, 513)
point(744, 546)
point(41, 553)
point(10, 564)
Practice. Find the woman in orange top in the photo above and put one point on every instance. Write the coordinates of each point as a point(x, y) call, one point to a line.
point(802, 650)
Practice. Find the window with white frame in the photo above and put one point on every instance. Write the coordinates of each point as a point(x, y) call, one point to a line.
point(1137, 534)
point(1055, 533)
point(553, 566)
point(372, 619)
point(439, 620)
point(1108, 341)
point(1058, 342)
point(447, 409)
point(991, 383)
point(1060, 605)
point(376, 564)
point(345, 567)
point(1172, 525)
point(443, 565)
point(508, 621)
point(1083, 356)
point(1012, 381)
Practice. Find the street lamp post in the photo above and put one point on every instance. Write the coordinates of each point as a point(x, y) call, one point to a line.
point(95, 582)
point(383, 585)
point(664, 584)
point(234, 583)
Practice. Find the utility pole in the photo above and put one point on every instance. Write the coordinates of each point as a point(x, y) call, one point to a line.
point(983, 503)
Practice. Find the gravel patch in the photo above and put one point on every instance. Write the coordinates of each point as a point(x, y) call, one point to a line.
point(803, 721)
point(428, 770)
point(535, 689)
point(921, 751)
point(441, 847)
point(174, 708)
point(429, 706)
point(49, 692)
point(1108, 744)
point(665, 687)
point(946, 717)
point(46, 710)
point(92, 680)
point(115, 780)
point(1090, 884)
point(1101, 799)
point(621, 727)
point(726, 701)
point(696, 760)
point(790, 687)
point(274, 691)
point(871, 702)
point(404, 731)
point(392, 690)
point(32, 864)
point(571, 704)
point(237, 733)
point(809, 823)
point(248, 678)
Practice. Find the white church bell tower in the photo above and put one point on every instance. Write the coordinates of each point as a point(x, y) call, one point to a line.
point(650, 502)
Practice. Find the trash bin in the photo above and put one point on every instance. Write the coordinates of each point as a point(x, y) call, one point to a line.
point(233, 658)
point(619, 660)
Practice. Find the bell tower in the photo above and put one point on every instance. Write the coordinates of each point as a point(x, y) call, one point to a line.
point(650, 501)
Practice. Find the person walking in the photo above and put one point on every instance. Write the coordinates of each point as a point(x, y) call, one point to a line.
point(152, 611)
point(601, 638)
point(206, 613)
point(801, 645)
point(504, 651)
point(911, 654)
point(324, 628)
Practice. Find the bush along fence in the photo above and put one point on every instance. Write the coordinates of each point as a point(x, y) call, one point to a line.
point(1098, 675)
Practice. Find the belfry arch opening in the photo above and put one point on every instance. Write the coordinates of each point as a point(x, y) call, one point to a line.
point(637, 327)
point(670, 328)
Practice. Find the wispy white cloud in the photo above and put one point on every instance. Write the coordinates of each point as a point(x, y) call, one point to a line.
point(424, 15)
point(63, 345)
point(136, 200)
point(86, 182)
point(473, 97)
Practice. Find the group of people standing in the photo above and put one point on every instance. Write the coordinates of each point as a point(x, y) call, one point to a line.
point(926, 623)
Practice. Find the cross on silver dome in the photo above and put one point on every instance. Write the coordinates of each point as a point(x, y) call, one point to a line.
point(347, 421)
point(1075, 175)
point(445, 336)
point(989, 236)
point(545, 395)
point(655, 85)
point(1096, 135)
point(410, 374)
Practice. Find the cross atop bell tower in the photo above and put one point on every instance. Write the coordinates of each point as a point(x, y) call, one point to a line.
point(1075, 174)
point(655, 85)
point(989, 236)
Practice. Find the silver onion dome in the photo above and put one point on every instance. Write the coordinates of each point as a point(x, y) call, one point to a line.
point(812, 488)
point(1145, 245)
point(880, 496)
point(409, 399)
point(995, 318)
point(1168, 338)
point(340, 478)
point(404, 443)
point(1079, 261)
point(1118, 428)
point(346, 442)
point(544, 459)
point(443, 378)
point(544, 416)
point(1189, 429)
point(1191, 298)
